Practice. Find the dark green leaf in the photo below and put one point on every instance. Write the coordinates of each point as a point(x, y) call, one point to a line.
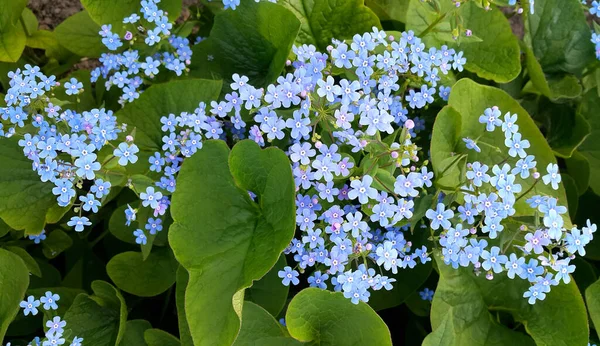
point(134, 333)
point(579, 168)
point(14, 279)
point(180, 287)
point(144, 278)
point(328, 318)
point(253, 40)
point(592, 298)
point(389, 9)
point(590, 148)
point(99, 319)
point(257, 324)
point(324, 20)
point(79, 34)
point(565, 129)
point(56, 242)
point(157, 337)
point(240, 239)
point(29, 261)
point(560, 36)
point(268, 292)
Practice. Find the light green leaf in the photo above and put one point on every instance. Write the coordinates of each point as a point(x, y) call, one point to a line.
point(12, 35)
point(157, 337)
point(268, 292)
point(144, 278)
point(160, 100)
point(469, 100)
point(29, 261)
point(560, 36)
point(589, 148)
point(114, 11)
point(592, 298)
point(241, 240)
point(134, 333)
point(180, 286)
point(254, 40)
point(21, 191)
point(100, 318)
point(328, 318)
point(257, 324)
point(323, 20)
point(495, 56)
point(14, 279)
point(79, 34)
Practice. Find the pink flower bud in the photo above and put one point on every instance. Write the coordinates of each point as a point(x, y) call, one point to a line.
point(409, 124)
point(536, 175)
point(318, 145)
point(129, 138)
point(395, 154)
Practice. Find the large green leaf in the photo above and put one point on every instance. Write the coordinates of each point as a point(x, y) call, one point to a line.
point(134, 333)
point(257, 326)
point(79, 34)
point(560, 36)
point(460, 119)
point(180, 286)
point(161, 100)
point(254, 40)
point(144, 278)
point(389, 9)
point(157, 337)
point(14, 279)
point(495, 57)
point(328, 318)
point(12, 35)
point(592, 298)
point(21, 191)
point(590, 148)
point(114, 11)
point(462, 302)
point(323, 20)
point(565, 129)
point(268, 292)
point(240, 239)
point(99, 319)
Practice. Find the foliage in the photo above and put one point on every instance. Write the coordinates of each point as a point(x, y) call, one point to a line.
point(300, 172)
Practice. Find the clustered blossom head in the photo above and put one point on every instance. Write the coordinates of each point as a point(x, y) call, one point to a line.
point(540, 252)
point(128, 70)
point(63, 145)
point(55, 334)
point(341, 218)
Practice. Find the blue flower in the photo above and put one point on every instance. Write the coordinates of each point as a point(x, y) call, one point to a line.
point(362, 190)
point(471, 144)
point(126, 153)
point(516, 145)
point(150, 197)
point(534, 293)
point(56, 325)
point(514, 266)
point(49, 300)
point(553, 177)
point(30, 306)
point(493, 260)
point(406, 185)
point(79, 223)
point(73, 86)
point(289, 276)
point(140, 237)
point(318, 280)
point(491, 117)
point(440, 217)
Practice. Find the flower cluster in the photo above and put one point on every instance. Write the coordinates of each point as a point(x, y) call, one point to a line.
point(543, 248)
point(55, 327)
point(233, 4)
point(129, 70)
point(64, 146)
point(345, 213)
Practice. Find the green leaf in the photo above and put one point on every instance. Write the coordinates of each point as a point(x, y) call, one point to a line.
point(160, 100)
point(469, 100)
point(144, 278)
point(100, 318)
point(495, 56)
point(257, 325)
point(79, 34)
point(534, 69)
point(114, 11)
point(14, 279)
point(389, 9)
point(579, 168)
point(134, 333)
point(180, 286)
point(592, 298)
point(589, 148)
point(328, 318)
point(157, 337)
point(241, 240)
point(21, 191)
point(254, 40)
point(461, 312)
point(560, 36)
point(268, 292)
point(565, 129)
point(12, 35)
point(56, 242)
point(32, 266)
point(30, 21)
point(572, 194)
point(323, 20)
